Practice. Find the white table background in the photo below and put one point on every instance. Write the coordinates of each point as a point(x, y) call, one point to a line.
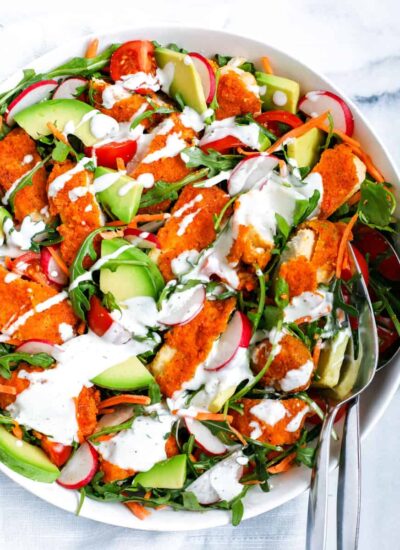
point(357, 44)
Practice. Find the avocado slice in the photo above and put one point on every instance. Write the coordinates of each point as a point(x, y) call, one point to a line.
point(281, 93)
point(168, 474)
point(181, 78)
point(348, 373)
point(4, 214)
point(122, 198)
point(26, 459)
point(34, 119)
point(220, 399)
point(305, 149)
point(331, 360)
point(128, 375)
point(130, 280)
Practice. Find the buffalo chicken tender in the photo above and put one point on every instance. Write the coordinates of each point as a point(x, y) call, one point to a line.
point(18, 297)
point(191, 225)
point(18, 155)
point(237, 93)
point(291, 369)
point(76, 205)
point(342, 174)
point(273, 421)
point(310, 256)
point(187, 346)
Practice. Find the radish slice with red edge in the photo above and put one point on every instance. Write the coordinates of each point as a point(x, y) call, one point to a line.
point(206, 73)
point(142, 239)
point(250, 173)
point(117, 334)
point(204, 437)
point(183, 306)
point(30, 96)
point(318, 102)
point(237, 335)
point(121, 414)
point(51, 268)
point(69, 89)
point(80, 469)
point(38, 346)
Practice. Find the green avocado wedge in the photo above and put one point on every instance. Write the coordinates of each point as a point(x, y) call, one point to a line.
point(305, 149)
point(331, 359)
point(168, 474)
point(181, 78)
point(34, 120)
point(4, 214)
point(280, 93)
point(128, 375)
point(139, 276)
point(122, 197)
point(26, 459)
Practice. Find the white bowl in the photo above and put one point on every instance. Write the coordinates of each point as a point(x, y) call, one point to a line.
point(376, 398)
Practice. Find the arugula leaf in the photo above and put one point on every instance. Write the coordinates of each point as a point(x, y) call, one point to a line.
point(223, 60)
point(179, 99)
point(214, 161)
point(269, 137)
point(149, 113)
point(261, 298)
point(237, 512)
point(109, 302)
point(175, 48)
point(272, 316)
point(60, 151)
point(304, 208)
point(163, 190)
point(377, 205)
point(281, 293)
point(26, 180)
point(7, 420)
point(154, 392)
point(283, 225)
point(112, 429)
point(330, 133)
point(10, 360)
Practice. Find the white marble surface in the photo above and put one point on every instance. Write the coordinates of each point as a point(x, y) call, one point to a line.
point(357, 44)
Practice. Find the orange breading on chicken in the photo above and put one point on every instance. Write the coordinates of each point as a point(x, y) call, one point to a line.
point(86, 405)
point(310, 256)
point(236, 93)
point(203, 204)
point(249, 247)
point(342, 174)
point(123, 109)
point(293, 355)
point(18, 155)
point(20, 296)
point(187, 346)
point(20, 384)
point(278, 433)
point(78, 209)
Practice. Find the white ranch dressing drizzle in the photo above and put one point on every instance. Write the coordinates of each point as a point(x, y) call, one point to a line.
point(17, 240)
point(137, 314)
point(219, 129)
point(192, 119)
point(103, 126)
point(295, 423)
point(210, 182)
point(310, 305)
point(103, 182)
point(11, 189)
point(184, 262)
point(174, 145)
point(269, 411)
point(256, 431)
point(59, 182)
point(178, 213)
point(296, 378)
point(166, 76)
point(187, 220)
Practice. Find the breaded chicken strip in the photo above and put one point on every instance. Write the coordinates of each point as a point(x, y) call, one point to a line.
point(237, 93)
point(18, 155)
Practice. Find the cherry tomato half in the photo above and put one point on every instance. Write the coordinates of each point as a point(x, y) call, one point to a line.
point(133, 57)
point(347, 274)
point(98, 317)
point(223, 145)
point(57, 452)
point(387, 334)
point(271, 120)
point(107, 154)
point(371, 241)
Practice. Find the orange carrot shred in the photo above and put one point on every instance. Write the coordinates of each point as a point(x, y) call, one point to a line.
point(219, 417)
point(59, 261)
point(346, 237)
point(92, 48)
point(284, 465)
point(120, 164)
point(108, 411)
point(125, 398)
point(266, 65)
point(316, 352)
point(138, 509)
point(10, 390)
point(297, 132)
point(242, 151)
point(238, 434)
point(354, 199)
point(17, 431)
point(56, 133)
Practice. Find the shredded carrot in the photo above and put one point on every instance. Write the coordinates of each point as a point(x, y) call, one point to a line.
point(192, 457)
point(108, 411)
point(56, 133)
point(59, 261)
point(297, 132)
point(218, 417)
point(81, 328)
point(17, 431)
point(251, 482)
point(354, 199)
point(160, 507)
point(267, 65)
point(346, 237)
point(91, 50)
point(125, 398)
point(10, 390)
point(238, 434)
point(242, 151)
point(120, 164)
point(344, 137)
point(147, 495)
point(140, 218)
point(316, 352)
point(305, 319)
point(138, 509)
point(284, 465)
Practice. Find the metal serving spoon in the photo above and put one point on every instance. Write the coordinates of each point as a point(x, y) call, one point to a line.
point(318, 500)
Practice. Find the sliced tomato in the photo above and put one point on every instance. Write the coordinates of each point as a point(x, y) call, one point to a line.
point(362, 262)
point(99, 318)
point(272, 119)
point(133, 57)
point(371, 241)
point(57, 452)
point(223, 145)
point(107, 155)
point(387, 334)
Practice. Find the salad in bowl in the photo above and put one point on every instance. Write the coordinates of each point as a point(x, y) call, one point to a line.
point(175, 277)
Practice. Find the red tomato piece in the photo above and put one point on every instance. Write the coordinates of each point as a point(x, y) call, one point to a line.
point(132, 57)
point(99, 318)
point(223, 145)
point(107, 154)
point(371, 241)
point(347, 273)
point(57, 452)
point(271, 120)
point(387, 334)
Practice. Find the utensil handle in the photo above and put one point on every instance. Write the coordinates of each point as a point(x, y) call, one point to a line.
point(318, 499)
point(349, 486)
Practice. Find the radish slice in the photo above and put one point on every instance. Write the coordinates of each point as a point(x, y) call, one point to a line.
point(121, 414)
point(117, 334)
point(32, 95)
point(206, 73)
point(183, 306)
point(251, 173)
point(38, 346)
point(237, 335)
point(51, 268)
point(69, 88)
point(142, 239)
point(80, 469)
point(204, 437)
point(315, 103)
